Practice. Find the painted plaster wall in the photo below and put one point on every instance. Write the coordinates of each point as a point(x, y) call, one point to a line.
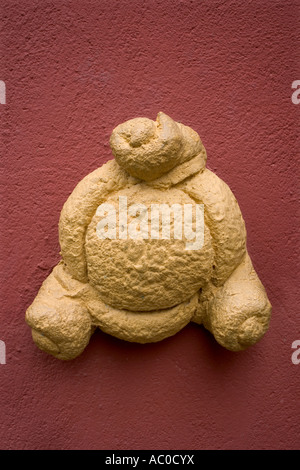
point(74, 70)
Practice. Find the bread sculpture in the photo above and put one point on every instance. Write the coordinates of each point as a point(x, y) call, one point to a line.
point(144, 285)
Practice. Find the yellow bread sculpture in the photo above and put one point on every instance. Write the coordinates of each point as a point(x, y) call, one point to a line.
point(144, 288)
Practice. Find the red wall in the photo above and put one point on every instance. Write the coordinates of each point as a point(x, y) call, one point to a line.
point(73, 71)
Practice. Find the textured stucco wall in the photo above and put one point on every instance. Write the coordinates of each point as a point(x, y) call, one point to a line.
point(75, 69)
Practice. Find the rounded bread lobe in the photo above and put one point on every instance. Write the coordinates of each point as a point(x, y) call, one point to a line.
point(148, 149)
point(224, 219)
point(79, 208)
point(146, 274)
